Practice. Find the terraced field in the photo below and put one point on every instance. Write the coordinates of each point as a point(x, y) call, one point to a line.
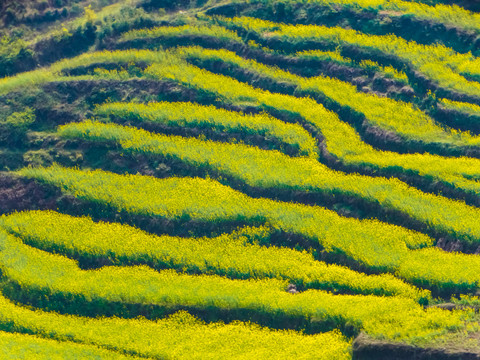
point(240, 179)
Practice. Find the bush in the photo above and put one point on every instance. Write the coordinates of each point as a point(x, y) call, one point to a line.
point(14, 127)
point(15, 56)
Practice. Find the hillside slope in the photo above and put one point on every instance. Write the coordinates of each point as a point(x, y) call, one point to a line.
point(240, 179)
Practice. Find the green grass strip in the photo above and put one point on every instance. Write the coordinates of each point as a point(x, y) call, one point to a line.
point(182, 114)
point(237, 255)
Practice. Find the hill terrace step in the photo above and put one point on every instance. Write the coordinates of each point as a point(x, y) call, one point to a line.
point(367, 348)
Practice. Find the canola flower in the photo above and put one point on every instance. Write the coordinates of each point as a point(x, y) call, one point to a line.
point(238, 255)
point(377, 245)
point(180, 335)
point(183, 114)
point(51, 274)
point(438, 62)
point(16, 346)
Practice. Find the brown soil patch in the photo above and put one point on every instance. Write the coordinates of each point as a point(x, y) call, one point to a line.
point(18, 194)
point(365, 348)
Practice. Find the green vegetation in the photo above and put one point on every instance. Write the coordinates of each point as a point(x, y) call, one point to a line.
point(236, 255)
point(262, 179)
point(180, 335)
point(21, 346)
point(389, 71)
point(14, 127)
point(51, 274)
point(23, 47)
point(19, 121)
point(468, 108)
point(271, 169)
point(210, 117)
point(438, 62)
point(375, 244)
point(438, 12)
point(13, 54)
point(388, 114)
point(218, 32)
point(341, 140)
